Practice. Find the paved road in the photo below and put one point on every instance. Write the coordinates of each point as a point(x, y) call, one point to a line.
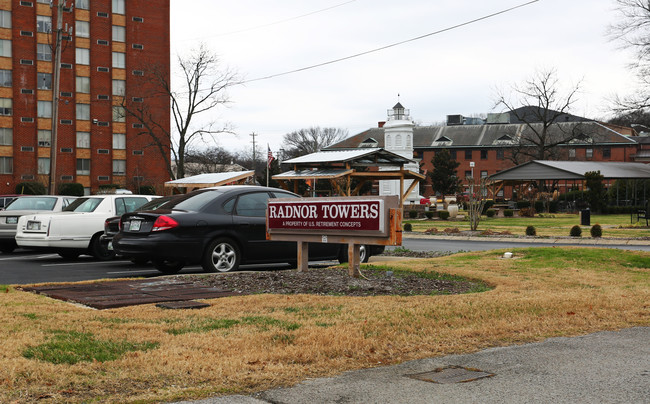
point(605, 367)
point(25, 267)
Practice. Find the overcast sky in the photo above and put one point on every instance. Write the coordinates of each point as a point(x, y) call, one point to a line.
point(454, 72)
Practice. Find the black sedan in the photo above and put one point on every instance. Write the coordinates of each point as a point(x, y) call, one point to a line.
point(220, 228)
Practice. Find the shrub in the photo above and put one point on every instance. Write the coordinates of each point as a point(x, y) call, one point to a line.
point(147, 190)
point(490, 212)
point(71, 189)
point(576, 231)
point(488, 204)
point(530, 231)
point(523, 204)
point(527, 212)
point(539, 206)
point(553, 206)
point(429, 214)
point(596, 231)
point(508, 213)
point(31, 188)
point(443, 214)
point(413, 214)
point(408, 227)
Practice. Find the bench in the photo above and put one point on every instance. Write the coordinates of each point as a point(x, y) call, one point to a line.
point(644, 213)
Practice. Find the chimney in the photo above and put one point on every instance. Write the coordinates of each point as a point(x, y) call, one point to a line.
point(381, 124)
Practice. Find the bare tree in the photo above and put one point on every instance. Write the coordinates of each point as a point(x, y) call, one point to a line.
point(311, 140)
point(633, 32)
point(540, 106)
point(204, 88)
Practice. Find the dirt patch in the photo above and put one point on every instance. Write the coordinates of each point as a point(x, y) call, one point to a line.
point(336, 281)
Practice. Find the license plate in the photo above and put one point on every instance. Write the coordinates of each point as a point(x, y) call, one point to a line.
point(12, 220)
point(110, 246)
point(135, 225)
point(33, 225)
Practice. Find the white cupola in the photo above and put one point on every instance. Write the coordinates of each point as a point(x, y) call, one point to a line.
point(398, 131)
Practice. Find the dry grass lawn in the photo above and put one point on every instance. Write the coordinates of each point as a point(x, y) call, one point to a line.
point(251, 343)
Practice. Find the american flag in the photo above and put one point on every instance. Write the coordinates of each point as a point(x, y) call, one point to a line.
point(269, 157)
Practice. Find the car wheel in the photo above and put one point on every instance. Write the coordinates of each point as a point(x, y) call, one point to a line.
point(69, 255)
point(364, 254)
point(168, 267)
point(100, 251)
point(222, 255)
point(8, 247)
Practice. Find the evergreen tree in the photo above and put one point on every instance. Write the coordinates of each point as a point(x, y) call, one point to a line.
point(444, 178)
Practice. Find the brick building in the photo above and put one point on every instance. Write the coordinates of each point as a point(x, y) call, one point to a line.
point(490, 143)
point(106, 50)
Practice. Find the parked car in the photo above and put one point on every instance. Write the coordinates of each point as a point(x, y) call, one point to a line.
point(220, 228)
point(6, 200)
point(112, 224)
point(77, 229)
point(26, 204)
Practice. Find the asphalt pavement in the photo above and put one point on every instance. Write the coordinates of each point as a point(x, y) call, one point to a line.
point(604, 367)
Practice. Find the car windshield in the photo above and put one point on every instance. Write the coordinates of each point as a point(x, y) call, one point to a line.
point(155, 203)
point(83, 205)
point(43, 203)
point(194, 202)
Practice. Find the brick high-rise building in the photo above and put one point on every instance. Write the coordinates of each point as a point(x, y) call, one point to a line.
point(107, 51)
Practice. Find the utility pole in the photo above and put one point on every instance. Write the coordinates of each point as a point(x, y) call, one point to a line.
point(57, 36)
point(253, 135)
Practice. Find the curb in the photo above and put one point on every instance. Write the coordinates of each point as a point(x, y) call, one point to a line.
point(557, 240)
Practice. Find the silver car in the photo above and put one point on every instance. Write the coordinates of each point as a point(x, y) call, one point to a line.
point(24, 205)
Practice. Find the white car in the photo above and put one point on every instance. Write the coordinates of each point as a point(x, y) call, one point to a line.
point(77, 229)
point(23, 205)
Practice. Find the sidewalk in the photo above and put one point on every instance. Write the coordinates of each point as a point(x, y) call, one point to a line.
point(605, 367)
point(525, 239)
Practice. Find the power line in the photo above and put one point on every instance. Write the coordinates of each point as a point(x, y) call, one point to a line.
point(275, 22)
point(391, 45)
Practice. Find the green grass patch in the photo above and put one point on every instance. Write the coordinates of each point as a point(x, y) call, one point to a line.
point(5, 288)
point(31, 316)
point(70, 347)
point(204, 325)
point(265, 323)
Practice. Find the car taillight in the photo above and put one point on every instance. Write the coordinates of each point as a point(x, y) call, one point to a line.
point(164, 223)
point(119, 225)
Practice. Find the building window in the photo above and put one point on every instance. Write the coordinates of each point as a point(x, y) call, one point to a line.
point(484, 154)
point(44, 138)
point(452, 154)
point(83, 112)
point(83, 84)
point(82, 29)
point(6, 165)
point(83, 166)
point(6, 105)
point(468, 154)
point(5, 19)
point(119, 33)
point(501, 154)
point(82, 4)
point(119, 60)
point(44, 109)
point(5, 78)
point(44, 165)
point(83, 140)
point(468, 173)
point(572, 153)
point(27, 119)
point(5, 48)
point(589, 153)
point(484, 173)
point(26, 62)
point(26, 33)
point(44, 81)
point(119, 167)
point(103, 69)
point(83, 56)
point(43, 52)
point(138, 73)
point(6, 136)
point(43, 23)
point(119, 114)
point(118, 6)
point(607, 153)
point(119, 141)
